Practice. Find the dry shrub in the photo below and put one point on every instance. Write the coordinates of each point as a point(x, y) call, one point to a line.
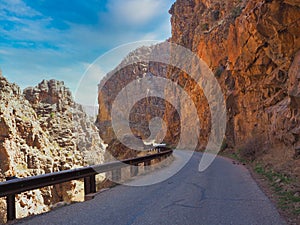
point(252, 149)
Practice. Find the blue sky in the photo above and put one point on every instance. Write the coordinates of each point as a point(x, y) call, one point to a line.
point(44, 39)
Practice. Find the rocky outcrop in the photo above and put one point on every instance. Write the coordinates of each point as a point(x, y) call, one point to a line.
point(252, 48)
point(134, 68)
point(25, 149)
point(44, 131)
point(67, 123)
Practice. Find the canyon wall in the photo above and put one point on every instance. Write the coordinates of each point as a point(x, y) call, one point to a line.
point(44, 131)
point(138, 71)
point(253, 49)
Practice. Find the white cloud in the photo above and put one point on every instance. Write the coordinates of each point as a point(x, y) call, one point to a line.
point(135, 12)
point(30, 30)
point(28, 65)
point(29, 25)
point(83, 38)
point(18, 8)
point(4, 52)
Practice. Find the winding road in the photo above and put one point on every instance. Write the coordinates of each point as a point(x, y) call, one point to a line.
point(223, 194)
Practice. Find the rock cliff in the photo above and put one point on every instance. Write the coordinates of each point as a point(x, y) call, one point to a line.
point(253, 49)
point(137, 68)
point(43, 131)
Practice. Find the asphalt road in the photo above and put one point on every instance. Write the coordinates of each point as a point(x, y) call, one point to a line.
point(223, 194)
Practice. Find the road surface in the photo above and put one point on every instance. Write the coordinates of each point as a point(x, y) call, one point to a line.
point(223, 194)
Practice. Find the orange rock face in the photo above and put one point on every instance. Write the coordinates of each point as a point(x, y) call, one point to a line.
point(253, 48)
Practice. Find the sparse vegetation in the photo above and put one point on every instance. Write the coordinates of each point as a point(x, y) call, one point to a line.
point(25, 119)
point(271, 175)
point(284, 189)
point(21, 167)
point(235, 156)
point(287, 199)
point(52, 115)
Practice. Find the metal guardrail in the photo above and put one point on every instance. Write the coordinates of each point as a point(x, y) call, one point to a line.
point(11, 187)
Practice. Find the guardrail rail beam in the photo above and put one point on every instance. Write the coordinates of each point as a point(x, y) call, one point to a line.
point(14, 186)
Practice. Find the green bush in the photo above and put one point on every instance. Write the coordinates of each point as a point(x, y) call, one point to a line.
point(52, 114)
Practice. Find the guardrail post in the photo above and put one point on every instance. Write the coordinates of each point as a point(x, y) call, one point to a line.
point(116, 175)
point(11, 203)
point(90, 184)
point(11, 207)
point(147, 165)
point(134, 170)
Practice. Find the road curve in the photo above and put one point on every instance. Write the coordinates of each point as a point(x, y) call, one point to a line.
point(224, 194)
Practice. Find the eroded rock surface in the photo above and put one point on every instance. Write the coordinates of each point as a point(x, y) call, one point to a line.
point(253, 49)
point(66, 122)
point(138, 71)
point(44, 131)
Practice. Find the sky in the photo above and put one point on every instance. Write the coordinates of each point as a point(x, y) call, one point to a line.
point(60, 39)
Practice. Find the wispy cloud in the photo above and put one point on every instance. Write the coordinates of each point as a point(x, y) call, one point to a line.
point(58, 38)
point(135, 12)
point(17, 8)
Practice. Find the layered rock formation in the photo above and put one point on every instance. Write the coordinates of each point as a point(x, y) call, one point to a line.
point(253, 48)
point(44, 131)
point(136, 70)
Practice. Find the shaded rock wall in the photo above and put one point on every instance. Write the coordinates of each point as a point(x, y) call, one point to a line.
point(135, 67)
